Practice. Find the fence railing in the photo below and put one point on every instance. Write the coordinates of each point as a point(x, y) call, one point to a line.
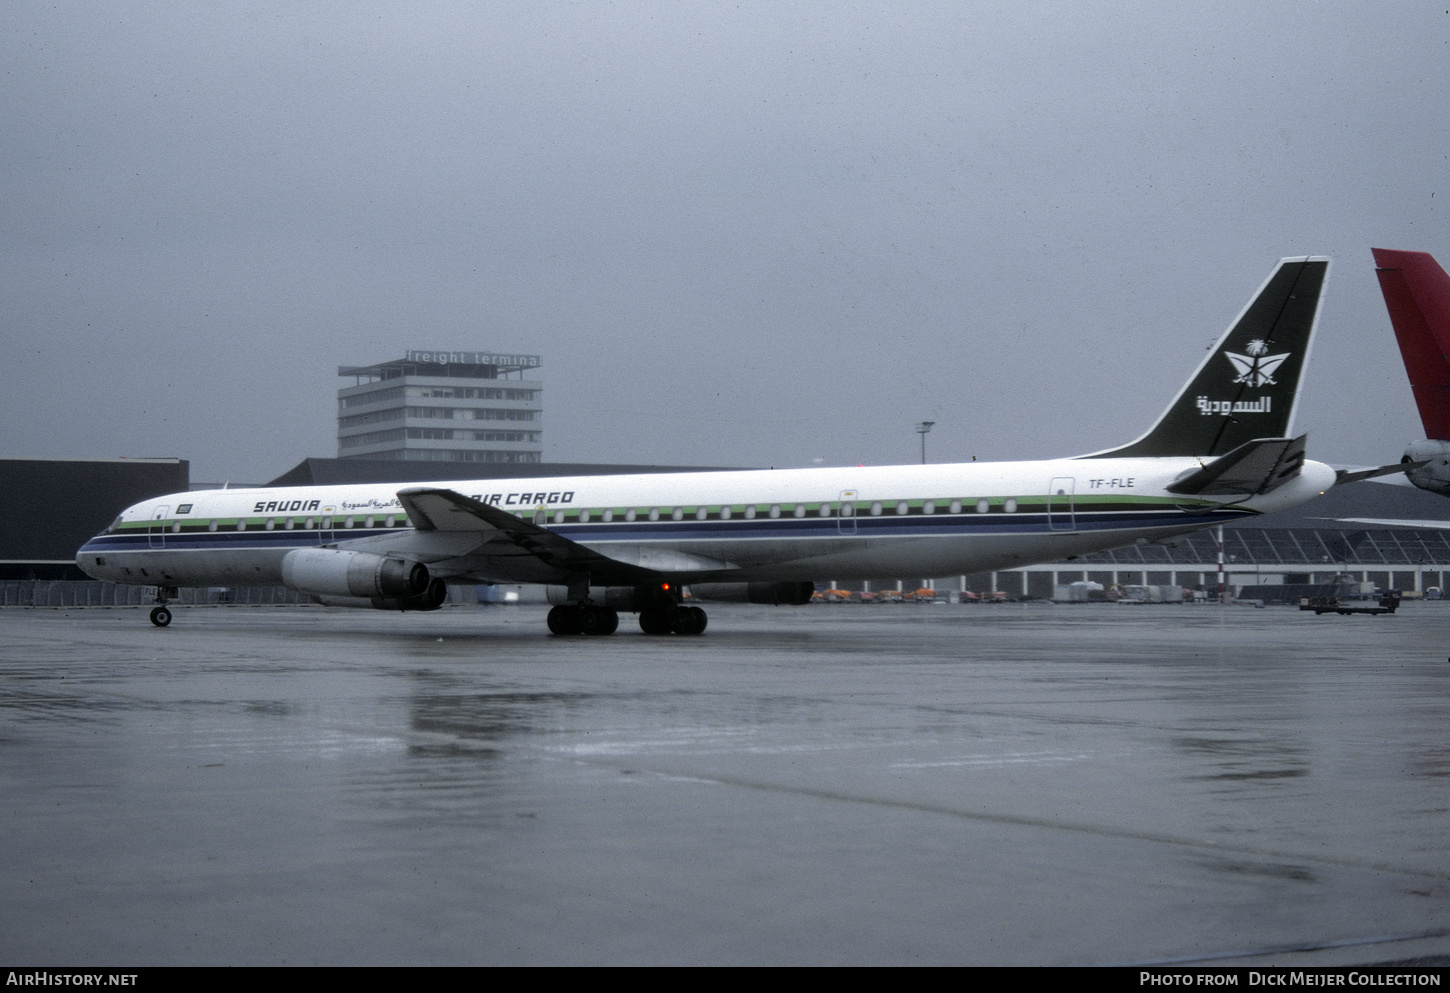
point(93, 593)
point(62, 593)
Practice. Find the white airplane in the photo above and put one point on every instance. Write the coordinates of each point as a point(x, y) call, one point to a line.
point(1223, 450)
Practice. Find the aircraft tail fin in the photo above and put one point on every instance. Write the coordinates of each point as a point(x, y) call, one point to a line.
point(1248, 386)
point(1417, 295)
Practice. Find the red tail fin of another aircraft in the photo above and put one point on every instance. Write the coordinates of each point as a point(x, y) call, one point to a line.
point(1417, 295)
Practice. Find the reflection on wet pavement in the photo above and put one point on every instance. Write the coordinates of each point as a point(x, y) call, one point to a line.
point(1025, 784)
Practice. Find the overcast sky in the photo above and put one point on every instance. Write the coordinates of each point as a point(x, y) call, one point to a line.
point(745, 234)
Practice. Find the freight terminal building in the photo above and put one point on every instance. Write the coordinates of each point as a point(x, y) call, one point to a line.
point(432, 406)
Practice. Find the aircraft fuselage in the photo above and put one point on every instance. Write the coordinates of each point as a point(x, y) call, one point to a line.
point(762, 525)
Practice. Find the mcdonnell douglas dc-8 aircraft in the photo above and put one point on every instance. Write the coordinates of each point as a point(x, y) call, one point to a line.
point(1222, 451)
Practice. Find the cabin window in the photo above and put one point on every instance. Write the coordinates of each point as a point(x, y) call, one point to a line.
point(702, 513)
point(825, 510)
point(725, 513)
point(775, 510)
point(241, 525)
point(678, 513)
point(654, 513)
point(903, 507)
point(956, 507)
point(608, 516)
point(307, 524)
point(389, 522)
point(211, 526)
point(583, 517)
point(175, 527)
point(271, 523)
point(876, 509)
point(983, 506)
point(291, 523)
point(368, 523)
point(800, 510)
point(629, 514)
point(1010, 505)
point(750, 513)
point(558, 517)
point(326, 524)
point(348, 523)
point(929, 507)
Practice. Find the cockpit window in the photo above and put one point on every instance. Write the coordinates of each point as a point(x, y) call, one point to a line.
point(115, 525)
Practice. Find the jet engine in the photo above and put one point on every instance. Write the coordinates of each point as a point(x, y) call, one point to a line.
point(778, 593)
point(1435, 475)
point(341, 578)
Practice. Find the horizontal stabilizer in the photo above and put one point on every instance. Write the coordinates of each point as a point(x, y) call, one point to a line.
point(1342, 476)
point(1385, 522)
point(1254, 468)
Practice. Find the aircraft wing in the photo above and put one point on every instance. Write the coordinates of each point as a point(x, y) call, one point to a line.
point(1255, 467)
point(436, 510)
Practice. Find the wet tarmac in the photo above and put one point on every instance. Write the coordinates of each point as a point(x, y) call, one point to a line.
point(1008, 784)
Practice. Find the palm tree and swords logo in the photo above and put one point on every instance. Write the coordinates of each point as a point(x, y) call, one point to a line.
point(1256, 368)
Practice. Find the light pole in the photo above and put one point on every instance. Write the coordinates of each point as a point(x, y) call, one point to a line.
point(922, 429)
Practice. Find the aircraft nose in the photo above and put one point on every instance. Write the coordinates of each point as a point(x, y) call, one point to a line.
point(92, 561)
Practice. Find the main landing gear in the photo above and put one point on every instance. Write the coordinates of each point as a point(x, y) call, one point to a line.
point(583, 618)
point(676, 619)
point(660, 612)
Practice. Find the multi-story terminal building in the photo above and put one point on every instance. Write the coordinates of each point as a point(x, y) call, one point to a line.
point(443, 407)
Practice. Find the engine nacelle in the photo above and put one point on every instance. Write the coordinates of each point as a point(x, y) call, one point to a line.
point(775, 593)
point(1435, 476)
point(341, 574)
point(430, 599)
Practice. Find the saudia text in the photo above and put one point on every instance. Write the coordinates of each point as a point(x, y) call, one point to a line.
point(1209, 407)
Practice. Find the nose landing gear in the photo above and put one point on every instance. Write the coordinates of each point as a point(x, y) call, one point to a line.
point(161, 614)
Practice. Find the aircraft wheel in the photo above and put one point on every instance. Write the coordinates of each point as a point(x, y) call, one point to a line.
point(654, 621)
point(160, 616)
point(565, 620)
point(688, 620)
point(598, 620)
